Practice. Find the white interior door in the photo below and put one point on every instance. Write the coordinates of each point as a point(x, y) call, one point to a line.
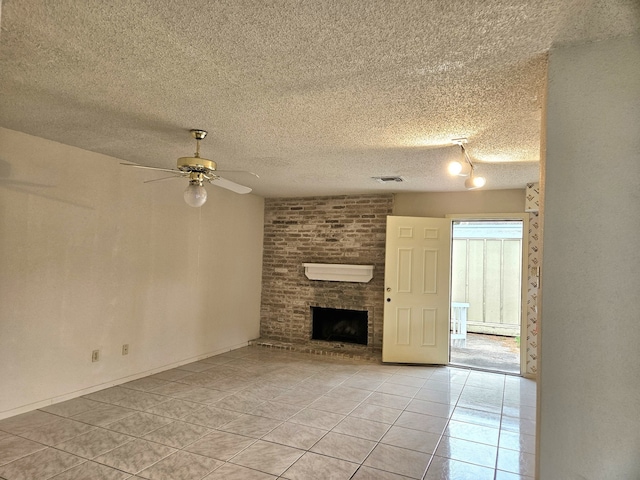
point(416, 303)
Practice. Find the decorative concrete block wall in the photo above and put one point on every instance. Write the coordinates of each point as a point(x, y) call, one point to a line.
point(535, 257)
point(342, 229)
point(532, 198)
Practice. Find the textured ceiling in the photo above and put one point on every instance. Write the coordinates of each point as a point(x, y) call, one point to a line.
point(316, 96)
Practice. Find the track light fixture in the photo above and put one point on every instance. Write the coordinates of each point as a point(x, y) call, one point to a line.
point(465, 168)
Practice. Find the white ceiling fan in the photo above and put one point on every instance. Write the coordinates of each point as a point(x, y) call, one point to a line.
point(198, 170)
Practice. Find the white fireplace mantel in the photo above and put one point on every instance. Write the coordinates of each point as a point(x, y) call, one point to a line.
point(338, 272)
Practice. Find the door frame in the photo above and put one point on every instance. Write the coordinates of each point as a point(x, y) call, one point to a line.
point(524, 218)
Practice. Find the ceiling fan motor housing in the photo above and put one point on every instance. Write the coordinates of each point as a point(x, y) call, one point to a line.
point(196, 164)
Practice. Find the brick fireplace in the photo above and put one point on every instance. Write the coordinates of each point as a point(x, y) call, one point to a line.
point(344, 229)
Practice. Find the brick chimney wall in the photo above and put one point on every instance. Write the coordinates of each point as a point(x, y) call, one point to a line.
point(341, 229)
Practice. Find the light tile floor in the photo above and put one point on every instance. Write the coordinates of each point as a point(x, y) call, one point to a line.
point(258, 413)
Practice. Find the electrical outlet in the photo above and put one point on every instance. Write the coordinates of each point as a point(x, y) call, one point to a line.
point(95, 355)
point(125, 349)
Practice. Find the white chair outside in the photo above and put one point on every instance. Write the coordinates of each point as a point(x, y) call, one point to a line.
point(459, 324)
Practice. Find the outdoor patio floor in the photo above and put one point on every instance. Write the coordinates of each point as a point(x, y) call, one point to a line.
point(487, 352)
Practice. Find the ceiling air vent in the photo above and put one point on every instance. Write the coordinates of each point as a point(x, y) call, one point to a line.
point(388, 179)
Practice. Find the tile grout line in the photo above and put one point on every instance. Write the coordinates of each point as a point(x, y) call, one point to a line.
point(504, 391)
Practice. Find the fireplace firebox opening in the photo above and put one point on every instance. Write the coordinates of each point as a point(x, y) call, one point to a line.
point(339, 325)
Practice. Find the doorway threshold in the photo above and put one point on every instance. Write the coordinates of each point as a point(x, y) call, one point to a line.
point(487, 370)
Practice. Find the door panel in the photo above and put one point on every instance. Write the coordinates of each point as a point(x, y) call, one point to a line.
point(430, 271)
point(403, 326)
point(417, 274)
point(404, 270)
point(429, 317)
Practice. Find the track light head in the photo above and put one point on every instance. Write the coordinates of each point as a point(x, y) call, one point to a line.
point(474, 182)
point(461, 169)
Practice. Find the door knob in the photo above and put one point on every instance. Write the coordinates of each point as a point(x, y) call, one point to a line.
point(388, 299)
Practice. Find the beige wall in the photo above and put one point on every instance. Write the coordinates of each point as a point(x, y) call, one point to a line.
point(589, 378)
point(92, 258)
point(439, 204)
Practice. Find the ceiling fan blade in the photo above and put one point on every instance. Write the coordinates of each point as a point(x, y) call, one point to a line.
point(163, 178)
point(20, 183)
point(239, 171)
point(229, 185)
point(150, 168)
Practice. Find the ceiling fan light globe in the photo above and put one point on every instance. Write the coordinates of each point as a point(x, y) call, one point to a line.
point(195, 195)
point(460, 169)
